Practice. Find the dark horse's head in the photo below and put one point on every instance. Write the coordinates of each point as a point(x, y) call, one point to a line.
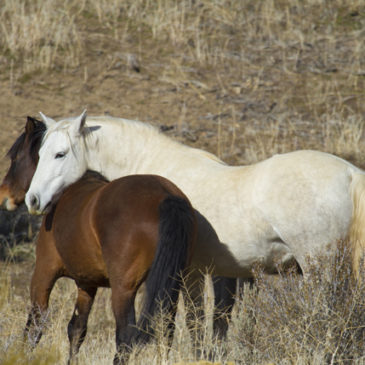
point(24, 158)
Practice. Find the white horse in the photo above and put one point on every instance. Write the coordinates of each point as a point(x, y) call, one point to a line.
point(274, 212)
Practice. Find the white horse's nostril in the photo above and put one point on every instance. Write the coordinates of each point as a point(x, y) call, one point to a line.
point(34, 202)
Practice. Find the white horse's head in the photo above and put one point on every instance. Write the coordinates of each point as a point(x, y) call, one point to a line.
point(62, 161)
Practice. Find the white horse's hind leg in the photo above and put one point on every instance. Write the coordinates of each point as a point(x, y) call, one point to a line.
point(280, 257)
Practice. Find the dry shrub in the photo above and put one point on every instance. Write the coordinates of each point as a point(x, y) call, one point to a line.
point(316, 320)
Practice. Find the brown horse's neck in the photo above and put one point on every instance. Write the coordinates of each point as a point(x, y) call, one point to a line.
point(90, 181)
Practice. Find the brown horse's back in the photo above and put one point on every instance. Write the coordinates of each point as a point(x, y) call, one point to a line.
point(139, 198)
point(104, 234)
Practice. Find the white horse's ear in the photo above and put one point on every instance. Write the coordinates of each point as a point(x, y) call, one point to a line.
point(79, 123)
point(47, 120)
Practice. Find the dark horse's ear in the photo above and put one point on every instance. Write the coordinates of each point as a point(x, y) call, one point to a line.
point(30, 125)
point(33, 124)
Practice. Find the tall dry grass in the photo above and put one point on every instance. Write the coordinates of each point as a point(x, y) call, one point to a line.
point(36, 34)
point(318, 320)
point(211, 32)
point(281, 320)
point(274, 75)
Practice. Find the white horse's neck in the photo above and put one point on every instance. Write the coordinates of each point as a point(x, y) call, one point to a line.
point(118, 147)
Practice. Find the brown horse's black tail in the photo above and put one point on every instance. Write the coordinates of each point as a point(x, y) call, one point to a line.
point(176, 236)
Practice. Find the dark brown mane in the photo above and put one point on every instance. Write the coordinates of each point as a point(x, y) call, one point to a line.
point(91, 174)
point(35, 138)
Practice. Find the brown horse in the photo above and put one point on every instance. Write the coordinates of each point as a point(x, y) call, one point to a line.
point(24, 158)
point(117, 234)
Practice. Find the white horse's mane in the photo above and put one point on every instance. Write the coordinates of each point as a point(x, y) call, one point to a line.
point(134, 127)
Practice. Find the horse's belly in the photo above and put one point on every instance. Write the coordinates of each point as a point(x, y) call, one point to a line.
point(91, 276)
point(240, 262)
point(266, 253)
point(85, 269)
point(234, 248)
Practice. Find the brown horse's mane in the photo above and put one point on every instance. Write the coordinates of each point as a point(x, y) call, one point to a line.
point(35, 139)
point(91, 174)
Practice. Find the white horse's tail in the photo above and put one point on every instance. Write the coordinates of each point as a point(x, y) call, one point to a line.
point(357, 229)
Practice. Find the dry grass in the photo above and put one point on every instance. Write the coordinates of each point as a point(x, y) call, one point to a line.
point(266, 77)
point(242, 79)
point(99, 346)
point(36, 34)
point(319, 320)
point(281, 320)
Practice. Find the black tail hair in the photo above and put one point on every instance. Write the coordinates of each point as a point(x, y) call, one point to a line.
point(176, 235)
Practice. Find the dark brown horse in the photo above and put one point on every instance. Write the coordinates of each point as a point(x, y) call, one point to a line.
point(24, 158)
point(115, 234)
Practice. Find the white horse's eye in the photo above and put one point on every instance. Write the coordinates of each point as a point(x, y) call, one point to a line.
point(60, 155)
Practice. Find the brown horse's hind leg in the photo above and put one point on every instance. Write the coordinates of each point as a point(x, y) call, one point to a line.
point(77, 326)
point(43, 280)
point(224, 298)
point(124, 313)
